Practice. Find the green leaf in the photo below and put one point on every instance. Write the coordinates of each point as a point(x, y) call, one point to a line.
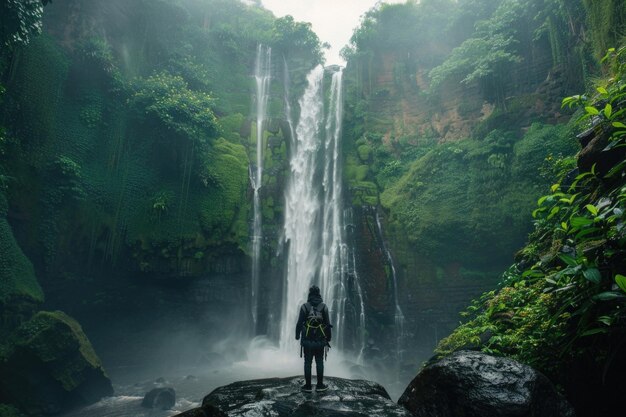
point(592, 209)
point(593, 275)
point(570, 261)
point(564, 225)
point(555, 187)
point(586, 232)
point(620, 280)
point(580, 221)
point(608, 295)
point(592, 110)
point(608, 110)
point(617, 168)
point(608, 320)
point(618, 124)
point(602, 91)
point(594, 331)
point(533, 273)
point(553, 212)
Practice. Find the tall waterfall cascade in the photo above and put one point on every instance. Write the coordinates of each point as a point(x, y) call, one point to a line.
point(314, 231)
point(398, 315)
point(262, 76)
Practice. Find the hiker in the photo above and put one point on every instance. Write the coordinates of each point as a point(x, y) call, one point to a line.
point(313, 330)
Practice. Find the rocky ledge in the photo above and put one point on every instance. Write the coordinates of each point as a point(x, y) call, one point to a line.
point(279, 397)
point(470, 383)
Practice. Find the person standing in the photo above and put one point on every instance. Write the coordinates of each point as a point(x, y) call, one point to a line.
point(313, 331)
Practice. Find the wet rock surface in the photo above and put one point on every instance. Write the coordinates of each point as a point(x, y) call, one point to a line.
point(160, 398)
point(476, 384)
point(282, 397)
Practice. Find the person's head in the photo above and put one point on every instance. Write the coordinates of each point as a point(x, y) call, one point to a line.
point(314, 290)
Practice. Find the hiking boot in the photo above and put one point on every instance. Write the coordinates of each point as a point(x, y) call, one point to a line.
point(306, 388)
point(321, 387)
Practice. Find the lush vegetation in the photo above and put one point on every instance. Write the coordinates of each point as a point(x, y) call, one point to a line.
point(453, 109)
point(563, 300)
point(141, 133)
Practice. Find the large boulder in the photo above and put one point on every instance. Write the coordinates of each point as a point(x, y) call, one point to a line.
point(474, 384)
point(282, 397)
point(160, 398)
point(48, 365)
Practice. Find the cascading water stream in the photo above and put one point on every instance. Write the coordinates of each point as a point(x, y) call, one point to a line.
point(314, 216)
point(302, 206)
point(398, 315)
point(333, 267)
point(288, 116)
point(262, 76)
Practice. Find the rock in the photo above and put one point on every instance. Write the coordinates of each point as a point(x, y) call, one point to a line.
point(476, 384)
point(48, 366)
point(160, 398)
point(596, 151)
point(204, 411)
point(282, 397)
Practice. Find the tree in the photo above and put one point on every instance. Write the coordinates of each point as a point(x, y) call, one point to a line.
point(490, 54)
point(292, 38)
point(19, 21)
point(167, 99)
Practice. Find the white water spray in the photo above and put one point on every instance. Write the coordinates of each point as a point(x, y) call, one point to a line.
point(333, 272)
point(262, 76)
point(314, 217)
point(302, 207)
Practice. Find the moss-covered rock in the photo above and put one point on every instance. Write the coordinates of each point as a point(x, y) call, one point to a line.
point(49, 365)
point(20, 292)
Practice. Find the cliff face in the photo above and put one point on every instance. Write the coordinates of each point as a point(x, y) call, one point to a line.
point(454, 163)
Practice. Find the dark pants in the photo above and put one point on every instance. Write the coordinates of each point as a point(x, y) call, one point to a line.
point(309, 354)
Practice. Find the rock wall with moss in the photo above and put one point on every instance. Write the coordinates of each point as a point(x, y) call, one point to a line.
point(130, 135)
point(127, 134)
point(453, 128)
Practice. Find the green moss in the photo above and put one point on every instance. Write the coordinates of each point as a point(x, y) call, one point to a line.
point(17, 275)
point(226, 196)
point(55, 338)
point(364, 152)
point(468, 201)
point(364, 193)
point(231, 125)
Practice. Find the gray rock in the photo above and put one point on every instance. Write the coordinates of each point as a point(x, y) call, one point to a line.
point(160, 399)
point(472, 384)
point(279, 397)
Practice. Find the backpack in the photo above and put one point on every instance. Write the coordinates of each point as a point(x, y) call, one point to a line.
point(314, 326)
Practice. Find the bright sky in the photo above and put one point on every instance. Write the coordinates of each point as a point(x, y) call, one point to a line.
point(332, 20)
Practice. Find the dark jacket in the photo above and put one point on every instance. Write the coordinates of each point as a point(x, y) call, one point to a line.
point(316, 301)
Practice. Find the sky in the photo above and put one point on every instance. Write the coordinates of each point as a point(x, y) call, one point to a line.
point(332, 20)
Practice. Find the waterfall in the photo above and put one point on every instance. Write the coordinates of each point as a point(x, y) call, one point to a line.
point(302, 206)
point(334, 251)
point(262, 76)
point(398, 315)
point(287, 83)
point(314, 231)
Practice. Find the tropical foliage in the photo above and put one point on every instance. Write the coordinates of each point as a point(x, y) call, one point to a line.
point(566, 294)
